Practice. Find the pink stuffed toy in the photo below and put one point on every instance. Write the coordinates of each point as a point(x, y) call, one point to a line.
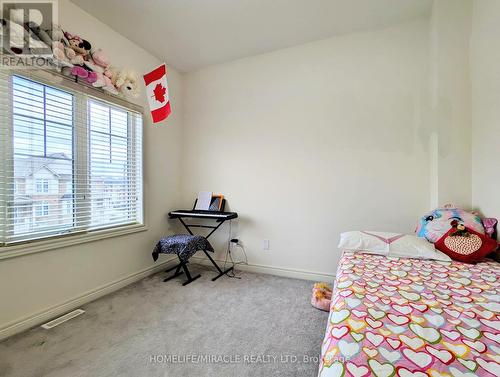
point(99, 64)
point(321, 296)
point(490, 226)
point(78, 53)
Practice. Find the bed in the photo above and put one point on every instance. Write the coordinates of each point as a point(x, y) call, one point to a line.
point(410, 317)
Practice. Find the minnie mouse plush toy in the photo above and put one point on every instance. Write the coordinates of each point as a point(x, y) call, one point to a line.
point(78, 52)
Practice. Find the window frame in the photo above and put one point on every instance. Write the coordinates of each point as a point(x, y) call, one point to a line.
point(41, 209)
point(44, 183)
point(82, 94)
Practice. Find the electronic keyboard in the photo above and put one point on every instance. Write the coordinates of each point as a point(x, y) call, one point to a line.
point(218, 215)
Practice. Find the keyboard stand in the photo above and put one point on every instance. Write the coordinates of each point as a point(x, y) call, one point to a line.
point(219, 217)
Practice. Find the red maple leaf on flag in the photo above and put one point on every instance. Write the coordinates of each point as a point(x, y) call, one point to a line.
point(159, 93)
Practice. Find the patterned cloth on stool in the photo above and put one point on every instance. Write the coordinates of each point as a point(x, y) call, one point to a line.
point(184, 246)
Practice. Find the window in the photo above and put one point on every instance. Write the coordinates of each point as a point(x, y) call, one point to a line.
point(42, 129)
point(17, 216)
point(68, 207)
point(110, 179)
point(78, 157)
point(42, 186)
point(68, 187)
point(42, 209)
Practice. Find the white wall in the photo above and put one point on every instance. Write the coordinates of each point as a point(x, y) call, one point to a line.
point(485, 73)
point(313, 140)
point(450, 103)
point(34, 283)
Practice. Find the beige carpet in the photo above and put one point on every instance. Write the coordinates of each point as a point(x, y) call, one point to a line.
point(259, 325)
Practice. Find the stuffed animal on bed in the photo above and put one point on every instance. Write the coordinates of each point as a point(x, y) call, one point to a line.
point(465, 245)
point(433, 225)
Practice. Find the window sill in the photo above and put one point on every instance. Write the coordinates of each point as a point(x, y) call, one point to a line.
point(14, 251)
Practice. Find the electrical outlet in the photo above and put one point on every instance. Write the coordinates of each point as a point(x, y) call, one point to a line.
point(265, 244)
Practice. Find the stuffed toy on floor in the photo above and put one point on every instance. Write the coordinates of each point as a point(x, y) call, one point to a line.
point(321, 296)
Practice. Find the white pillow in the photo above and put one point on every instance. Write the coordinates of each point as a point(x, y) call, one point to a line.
point(391, 245)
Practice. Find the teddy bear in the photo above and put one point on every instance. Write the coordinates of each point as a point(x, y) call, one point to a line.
point(59, 52)
point(125, 81)
point(99, 64)
point(59, 46)
point(459, 229)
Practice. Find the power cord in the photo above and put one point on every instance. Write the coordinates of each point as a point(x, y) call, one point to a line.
point(236, 242)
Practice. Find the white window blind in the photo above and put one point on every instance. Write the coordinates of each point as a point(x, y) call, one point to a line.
point(70, 162)
point(113, 184)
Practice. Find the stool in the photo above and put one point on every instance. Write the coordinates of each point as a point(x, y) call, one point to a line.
point(184, 246)
point(178, 272)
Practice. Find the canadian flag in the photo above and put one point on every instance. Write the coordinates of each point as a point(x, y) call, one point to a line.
point(157, 93)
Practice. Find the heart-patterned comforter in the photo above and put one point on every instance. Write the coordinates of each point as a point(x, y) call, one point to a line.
point(409, 317)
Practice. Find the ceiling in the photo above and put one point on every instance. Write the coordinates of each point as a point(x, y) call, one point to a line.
point(191, 34)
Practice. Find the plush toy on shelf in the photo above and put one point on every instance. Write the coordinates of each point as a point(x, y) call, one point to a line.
point(59, 47)
point(53, 38)
point(74, 56)
point(59, 52)
point(78, 48)
point(79, 52)
point(126, 81)
point(99, 64)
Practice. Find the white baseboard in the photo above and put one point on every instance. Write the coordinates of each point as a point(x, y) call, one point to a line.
point(278, 271)
point(55, 311)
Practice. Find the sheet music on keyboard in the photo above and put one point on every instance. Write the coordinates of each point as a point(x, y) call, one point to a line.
point(204, 200)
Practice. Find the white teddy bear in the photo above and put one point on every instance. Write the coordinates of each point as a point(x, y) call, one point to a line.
point(126, 81)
